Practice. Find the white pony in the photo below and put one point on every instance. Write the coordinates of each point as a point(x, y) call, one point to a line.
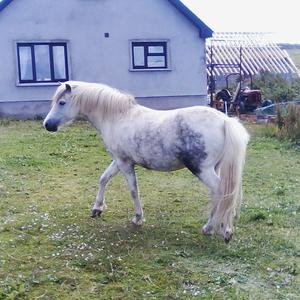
point(207, 142)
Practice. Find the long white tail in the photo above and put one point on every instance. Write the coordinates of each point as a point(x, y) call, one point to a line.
point(230, 170)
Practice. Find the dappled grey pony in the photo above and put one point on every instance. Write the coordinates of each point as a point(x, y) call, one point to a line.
point(210, 144)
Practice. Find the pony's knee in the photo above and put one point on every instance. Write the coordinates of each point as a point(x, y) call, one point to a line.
point(103, 180)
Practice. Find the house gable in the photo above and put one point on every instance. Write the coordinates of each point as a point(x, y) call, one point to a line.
point(204, 30)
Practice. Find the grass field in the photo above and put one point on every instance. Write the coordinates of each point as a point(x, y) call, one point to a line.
point(295, 56)
point(51, 249)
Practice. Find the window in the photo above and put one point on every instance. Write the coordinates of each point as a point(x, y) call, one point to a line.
point(149, 55)
point(42, 62)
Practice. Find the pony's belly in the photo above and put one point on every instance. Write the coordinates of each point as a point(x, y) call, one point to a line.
point(160, 164)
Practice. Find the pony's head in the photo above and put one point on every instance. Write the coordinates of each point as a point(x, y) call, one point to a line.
point(63, 109)
point(93, 100)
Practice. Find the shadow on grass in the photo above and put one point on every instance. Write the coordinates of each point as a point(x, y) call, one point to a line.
point(184, 241)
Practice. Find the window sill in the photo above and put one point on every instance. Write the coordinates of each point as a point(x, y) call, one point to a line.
point(38, 84)
point(149, 70)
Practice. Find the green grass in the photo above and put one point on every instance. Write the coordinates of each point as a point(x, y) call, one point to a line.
point(295, 56)
point(50, 248)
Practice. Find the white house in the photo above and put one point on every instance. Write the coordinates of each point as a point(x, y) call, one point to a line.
point(153, 49)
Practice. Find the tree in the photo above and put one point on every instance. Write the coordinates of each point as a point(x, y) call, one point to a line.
point(276, 87)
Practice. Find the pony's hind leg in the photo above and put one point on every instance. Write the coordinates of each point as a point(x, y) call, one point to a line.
point(99, 204)
point(216, 222)
point(209, 177)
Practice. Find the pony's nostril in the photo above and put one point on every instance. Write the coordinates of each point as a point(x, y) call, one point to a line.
point(51, 125)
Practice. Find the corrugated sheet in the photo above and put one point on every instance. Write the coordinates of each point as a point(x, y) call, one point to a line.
point(246, 53)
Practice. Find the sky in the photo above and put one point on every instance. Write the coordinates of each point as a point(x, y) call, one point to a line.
point(281, 18)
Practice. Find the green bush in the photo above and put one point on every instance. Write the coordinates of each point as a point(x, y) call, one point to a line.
point(288, 123)
point(286, 126)
point(281, 89)
point(276, 87)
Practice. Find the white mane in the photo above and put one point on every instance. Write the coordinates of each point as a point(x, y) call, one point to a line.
point(91, 97)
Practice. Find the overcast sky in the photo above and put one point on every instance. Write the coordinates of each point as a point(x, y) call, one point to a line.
point(279, 17)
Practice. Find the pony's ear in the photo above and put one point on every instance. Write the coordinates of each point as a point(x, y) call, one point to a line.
point(68, 88)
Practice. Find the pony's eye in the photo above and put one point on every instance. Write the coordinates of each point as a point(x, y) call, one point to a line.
point(62, 102)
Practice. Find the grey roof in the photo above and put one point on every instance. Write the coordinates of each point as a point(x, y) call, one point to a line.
point(204, 30)
point(4, 3)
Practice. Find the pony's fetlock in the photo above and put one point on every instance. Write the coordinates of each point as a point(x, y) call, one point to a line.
point(227, 235)
point(207, 229)
point(96, 212)
point(137, 220)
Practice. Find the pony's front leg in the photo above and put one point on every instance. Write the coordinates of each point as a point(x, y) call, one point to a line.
point(99, 204)
point(129, 173)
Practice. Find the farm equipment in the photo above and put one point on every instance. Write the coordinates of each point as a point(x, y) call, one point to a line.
point(243, 101)
point(248, 100)
point(222, 100)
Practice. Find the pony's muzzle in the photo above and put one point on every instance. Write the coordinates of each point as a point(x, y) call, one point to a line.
point(51, 125)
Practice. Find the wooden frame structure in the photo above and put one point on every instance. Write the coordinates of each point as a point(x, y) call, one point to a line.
point(244, 54)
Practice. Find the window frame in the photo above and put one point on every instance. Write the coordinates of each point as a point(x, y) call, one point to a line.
point(51, 44)
point(146, 44)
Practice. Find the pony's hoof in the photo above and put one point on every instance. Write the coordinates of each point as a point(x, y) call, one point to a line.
point(227, 236)
point(96, 213)
point(137, 220)
point(207, 230)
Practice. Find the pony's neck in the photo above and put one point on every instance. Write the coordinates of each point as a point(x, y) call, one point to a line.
point(105, 123)
point(98, 123)
point(102, 104)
